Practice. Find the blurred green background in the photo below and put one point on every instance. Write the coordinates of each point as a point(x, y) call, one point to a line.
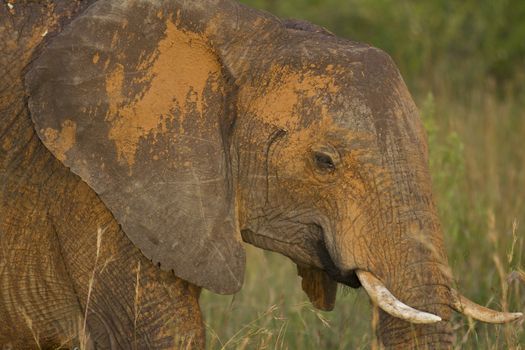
point(464, 62)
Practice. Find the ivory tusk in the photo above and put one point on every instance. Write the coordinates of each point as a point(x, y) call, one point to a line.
point(481, 313)
point(382, 297)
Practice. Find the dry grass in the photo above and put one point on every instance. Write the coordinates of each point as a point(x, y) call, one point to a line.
point(136, 305)
point(84, 336)
point(29, 323)
point(272, 312)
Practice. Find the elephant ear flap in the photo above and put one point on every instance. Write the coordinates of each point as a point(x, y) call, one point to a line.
point(135, 104)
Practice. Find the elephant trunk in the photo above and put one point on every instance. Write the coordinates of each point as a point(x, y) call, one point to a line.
point(395, 333)
point(401, 264)
point(413, 291)
point(422, 283)
point(428, 326)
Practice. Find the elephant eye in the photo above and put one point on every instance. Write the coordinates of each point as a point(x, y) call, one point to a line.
point(324, 162)
point(325, 158)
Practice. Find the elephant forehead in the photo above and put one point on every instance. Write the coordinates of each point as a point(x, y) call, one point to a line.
point(377, 98)
point(290, 97)
point(331, 97)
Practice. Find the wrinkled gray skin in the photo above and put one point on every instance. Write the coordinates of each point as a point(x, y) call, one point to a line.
point(317, 152)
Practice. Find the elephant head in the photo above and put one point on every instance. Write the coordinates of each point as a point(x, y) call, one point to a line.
point(204, 123)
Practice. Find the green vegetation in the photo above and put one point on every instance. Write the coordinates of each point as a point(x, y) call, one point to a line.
point(464, 62)
point(433, 42)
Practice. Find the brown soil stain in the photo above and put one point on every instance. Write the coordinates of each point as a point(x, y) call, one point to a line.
point(59, 142)
point(278, 102)
point(178, 74)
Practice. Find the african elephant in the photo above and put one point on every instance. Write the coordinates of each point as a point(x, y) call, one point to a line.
point(143, 141)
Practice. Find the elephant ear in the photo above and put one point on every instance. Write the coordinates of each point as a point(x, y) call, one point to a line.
point(136, 105)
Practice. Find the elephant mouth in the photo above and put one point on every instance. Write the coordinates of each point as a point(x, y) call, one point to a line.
point(348, 278)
